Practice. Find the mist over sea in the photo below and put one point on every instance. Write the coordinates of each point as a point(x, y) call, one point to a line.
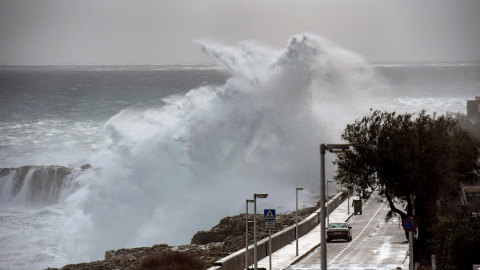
point(173, 148)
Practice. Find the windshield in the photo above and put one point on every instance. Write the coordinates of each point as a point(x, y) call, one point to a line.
point(338, 225)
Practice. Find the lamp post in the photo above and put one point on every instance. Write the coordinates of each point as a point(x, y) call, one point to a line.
point(255, 196)
point(328, 204)
point(246, 234)
point(296, 217)
point(332, 148)
point(348, 203)
point(348, 193)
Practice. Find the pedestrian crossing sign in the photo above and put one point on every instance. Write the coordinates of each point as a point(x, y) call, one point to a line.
point(269, 214)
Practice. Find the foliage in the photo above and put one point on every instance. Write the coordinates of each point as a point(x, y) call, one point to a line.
point(171, 260)
point(457, 240)
point(416, 161)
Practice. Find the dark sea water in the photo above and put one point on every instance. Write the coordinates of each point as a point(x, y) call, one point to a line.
point(50, 114)
point(53, 114)
point(167, 143)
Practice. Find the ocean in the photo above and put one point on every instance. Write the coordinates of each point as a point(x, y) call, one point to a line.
point(173, 148)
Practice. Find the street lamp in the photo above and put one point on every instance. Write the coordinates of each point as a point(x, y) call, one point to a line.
point(328, 204)
point(332, 148)
point(296, 216)
point(255, 196)
point(246, 234)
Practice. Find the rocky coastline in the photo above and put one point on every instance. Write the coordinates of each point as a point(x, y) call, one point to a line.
point(209, 246)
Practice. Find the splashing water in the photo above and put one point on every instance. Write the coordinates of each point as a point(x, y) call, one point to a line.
point(165, 173)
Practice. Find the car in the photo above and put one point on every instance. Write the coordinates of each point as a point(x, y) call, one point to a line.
point(341, 230)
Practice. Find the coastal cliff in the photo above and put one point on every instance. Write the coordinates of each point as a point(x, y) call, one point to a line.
point(209, 246)
point(37, 186)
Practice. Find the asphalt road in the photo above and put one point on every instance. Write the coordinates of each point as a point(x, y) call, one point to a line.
point(376, 244)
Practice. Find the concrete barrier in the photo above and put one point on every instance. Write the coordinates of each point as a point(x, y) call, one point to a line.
point(236, 261)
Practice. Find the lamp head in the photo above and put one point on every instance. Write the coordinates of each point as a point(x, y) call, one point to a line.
point(336, 148)
point(299, 188)
point(260, 195)
point(250, 201)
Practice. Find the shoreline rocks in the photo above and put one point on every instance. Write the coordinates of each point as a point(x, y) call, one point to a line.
point(223, 239)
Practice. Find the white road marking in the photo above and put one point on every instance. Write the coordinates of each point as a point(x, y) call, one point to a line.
point(364, 228)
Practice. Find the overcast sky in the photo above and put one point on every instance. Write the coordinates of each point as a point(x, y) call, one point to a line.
point(161, 31)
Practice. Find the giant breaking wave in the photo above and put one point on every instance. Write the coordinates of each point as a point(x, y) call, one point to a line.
point(165, 173)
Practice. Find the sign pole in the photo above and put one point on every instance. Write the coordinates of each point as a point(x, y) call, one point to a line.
point(410, 242)
point(410, 224)
point(270, 248)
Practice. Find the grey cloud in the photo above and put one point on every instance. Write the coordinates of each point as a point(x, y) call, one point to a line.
point(142, 32)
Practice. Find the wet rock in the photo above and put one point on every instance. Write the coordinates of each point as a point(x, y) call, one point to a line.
point(225, 238)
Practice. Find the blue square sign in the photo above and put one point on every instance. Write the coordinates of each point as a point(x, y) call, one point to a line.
point(269, 214)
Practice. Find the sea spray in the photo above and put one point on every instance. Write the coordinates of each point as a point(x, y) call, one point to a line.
point(165, 173)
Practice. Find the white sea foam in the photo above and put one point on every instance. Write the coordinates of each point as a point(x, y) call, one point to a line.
point(47, 142)
point(164, 174)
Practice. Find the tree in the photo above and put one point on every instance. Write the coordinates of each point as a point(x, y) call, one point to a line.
point(417, 162)
point(457, 239)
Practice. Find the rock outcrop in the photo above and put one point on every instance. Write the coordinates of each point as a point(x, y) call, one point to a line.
point(223, 239)
point(37, 186)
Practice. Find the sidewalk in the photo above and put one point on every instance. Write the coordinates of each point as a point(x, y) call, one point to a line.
point(284, 257)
